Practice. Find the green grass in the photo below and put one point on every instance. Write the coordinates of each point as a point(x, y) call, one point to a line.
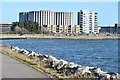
point(38, 65)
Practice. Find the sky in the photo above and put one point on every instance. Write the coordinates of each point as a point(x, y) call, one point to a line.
point(107, 11)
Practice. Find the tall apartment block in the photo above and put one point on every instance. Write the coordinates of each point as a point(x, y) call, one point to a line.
point(88, 21)
point(50, 20)
point(64, 18)
point(42, 17)
point(47, 17)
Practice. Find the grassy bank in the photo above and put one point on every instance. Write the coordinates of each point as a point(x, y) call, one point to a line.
point(39, 36)
point(38, 65)
point(58, 68)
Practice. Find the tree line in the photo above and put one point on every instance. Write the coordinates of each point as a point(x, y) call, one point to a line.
point(26, 27)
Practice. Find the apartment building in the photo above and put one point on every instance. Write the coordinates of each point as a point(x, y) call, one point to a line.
point(62, 29)
point(63, 18)
point(77, 29)
point(88, 21)
point(49, 19)
point(23, 16)
point(43, 17)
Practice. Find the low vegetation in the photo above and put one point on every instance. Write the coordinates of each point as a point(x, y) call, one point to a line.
point(28, 27)
point(38, 65)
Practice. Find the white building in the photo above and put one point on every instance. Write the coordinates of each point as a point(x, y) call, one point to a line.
point(88, 22)
point(49, 20)
point(43, 17)
point(64, 18)
point(47, 17)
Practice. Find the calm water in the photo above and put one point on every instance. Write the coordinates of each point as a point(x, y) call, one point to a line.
point(97, 53)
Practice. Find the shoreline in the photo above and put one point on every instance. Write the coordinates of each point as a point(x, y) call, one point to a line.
point(5, 49)
point(39, 36)
point(55, 67)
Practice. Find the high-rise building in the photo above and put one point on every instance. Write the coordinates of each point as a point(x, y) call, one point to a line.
point(23, 16)
point(43, 17)
point(49, 20)
point(88, 21)
point(47, 17)
point(64, 18)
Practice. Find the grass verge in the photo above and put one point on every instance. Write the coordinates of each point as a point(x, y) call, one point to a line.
point(38, 65)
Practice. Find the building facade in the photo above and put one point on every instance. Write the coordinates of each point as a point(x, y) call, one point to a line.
point(107, 29)
point(117, 28)
point(88, 21)
point(63, 18)
point(23, 16)
point(76, 29)
point(49, 20)
point(47, 17)
point(110, 29)
point(43, 17)
point(6, 28)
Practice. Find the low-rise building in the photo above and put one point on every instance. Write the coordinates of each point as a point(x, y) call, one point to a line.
point(65, 29)
point(70, 27)
point(61, 29)
point(53, 28)
point(6, 28)
point(110, 29)
point(77, 29)
point(107, 29)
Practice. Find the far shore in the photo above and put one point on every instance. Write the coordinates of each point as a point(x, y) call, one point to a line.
point(41, 36)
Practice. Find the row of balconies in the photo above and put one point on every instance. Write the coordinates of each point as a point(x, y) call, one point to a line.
point(65, 29)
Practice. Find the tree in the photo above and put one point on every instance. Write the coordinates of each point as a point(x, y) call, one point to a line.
point(28, 26)
point(18, 30)
point(15, 24)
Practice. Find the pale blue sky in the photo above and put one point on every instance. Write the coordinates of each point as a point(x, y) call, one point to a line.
point(107, 11)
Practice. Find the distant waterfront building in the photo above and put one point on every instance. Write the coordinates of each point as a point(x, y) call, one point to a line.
point(76, 29)
point(6, 28)
point(62, 29)
point(47, 17)
point(43, 17)
point(107, 29)
point(110, 29)
point(88, 21)
point(23, 16)
point(117, 28)
point(49, 20)
point(64, 18)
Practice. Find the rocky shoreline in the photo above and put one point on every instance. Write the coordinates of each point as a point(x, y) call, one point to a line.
point(40, 36)
point(67, 69)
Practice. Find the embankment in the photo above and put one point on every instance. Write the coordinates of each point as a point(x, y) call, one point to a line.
point(56, 68)
point(40, 36)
